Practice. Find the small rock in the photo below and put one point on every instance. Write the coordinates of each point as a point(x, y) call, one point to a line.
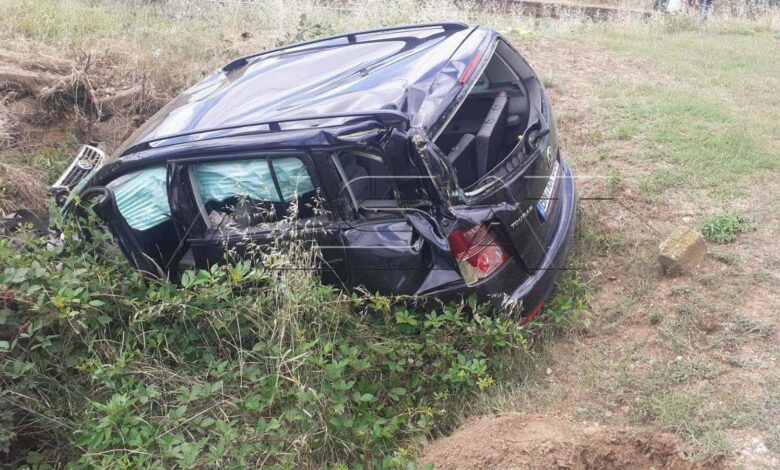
point(709, 323)
point(548, 371)
point(681, 251)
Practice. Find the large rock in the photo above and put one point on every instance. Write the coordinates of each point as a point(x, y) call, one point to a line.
point(681, 251)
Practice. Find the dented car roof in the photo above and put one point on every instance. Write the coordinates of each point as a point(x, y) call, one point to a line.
point(414, 70)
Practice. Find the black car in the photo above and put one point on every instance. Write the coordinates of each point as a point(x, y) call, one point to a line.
point(425, 155)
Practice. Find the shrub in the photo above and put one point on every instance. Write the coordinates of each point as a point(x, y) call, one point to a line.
point(240, 366)
point(723, 228)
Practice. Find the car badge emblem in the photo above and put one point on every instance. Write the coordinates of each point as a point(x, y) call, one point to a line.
point(86, 166)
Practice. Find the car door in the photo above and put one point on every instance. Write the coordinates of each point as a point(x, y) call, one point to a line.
point(385, 252)
point(240, 206)
point(136, 209)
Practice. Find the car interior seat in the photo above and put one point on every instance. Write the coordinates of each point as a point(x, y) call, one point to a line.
point(365, 177)
point(491, 134)
point(461, 156)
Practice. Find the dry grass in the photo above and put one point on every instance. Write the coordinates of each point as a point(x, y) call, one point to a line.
point(143, 39)
point(27, 186)
point(8, 126)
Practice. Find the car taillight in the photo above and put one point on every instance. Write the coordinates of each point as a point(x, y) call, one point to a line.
point(479, 252)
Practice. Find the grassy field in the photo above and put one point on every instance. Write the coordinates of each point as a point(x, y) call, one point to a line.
point(673, 120)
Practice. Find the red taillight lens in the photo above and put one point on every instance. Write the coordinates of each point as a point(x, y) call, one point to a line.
point(479, 252)
point(471, 67)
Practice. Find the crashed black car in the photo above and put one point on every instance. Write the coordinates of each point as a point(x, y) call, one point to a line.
point(426, 156)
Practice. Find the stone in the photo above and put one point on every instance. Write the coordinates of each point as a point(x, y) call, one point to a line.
point(682, 250)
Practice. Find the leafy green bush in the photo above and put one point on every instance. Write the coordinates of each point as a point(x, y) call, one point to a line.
point(723, 228)
point(240, 366)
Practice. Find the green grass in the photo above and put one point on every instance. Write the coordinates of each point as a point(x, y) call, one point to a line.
point(676, 395)
point(687, 413)
point(724, 228)
point(659, 181)
point(703, 110)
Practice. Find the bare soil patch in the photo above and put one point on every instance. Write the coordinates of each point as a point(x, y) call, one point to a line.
point(515, 441)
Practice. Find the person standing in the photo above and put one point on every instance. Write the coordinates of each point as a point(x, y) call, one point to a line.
point(706, 8)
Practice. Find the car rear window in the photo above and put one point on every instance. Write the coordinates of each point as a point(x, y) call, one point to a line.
point(365, 177)
point(142, 198)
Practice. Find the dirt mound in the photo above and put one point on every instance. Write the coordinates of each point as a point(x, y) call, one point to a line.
point(79, 95)
point(515, 441)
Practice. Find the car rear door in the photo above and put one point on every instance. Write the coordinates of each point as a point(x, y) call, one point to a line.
point(385, 252)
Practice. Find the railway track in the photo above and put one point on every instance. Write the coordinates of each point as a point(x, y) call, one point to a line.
point(556, 10)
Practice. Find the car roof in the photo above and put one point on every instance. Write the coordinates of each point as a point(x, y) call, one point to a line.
point(411, 70)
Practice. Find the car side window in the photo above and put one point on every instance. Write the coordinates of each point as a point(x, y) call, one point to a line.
point(294, 179)
point(142, 198)
point(365, 177)
point(248, 193)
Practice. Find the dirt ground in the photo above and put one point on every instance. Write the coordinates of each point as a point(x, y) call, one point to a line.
point(711, 335)
point(48, 102)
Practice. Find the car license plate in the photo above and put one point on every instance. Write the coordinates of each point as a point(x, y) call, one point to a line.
point(543, 206)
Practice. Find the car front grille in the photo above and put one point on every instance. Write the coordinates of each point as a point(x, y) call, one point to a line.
point(87, 161)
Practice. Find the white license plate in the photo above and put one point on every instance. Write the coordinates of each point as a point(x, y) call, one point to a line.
point(544, 202)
